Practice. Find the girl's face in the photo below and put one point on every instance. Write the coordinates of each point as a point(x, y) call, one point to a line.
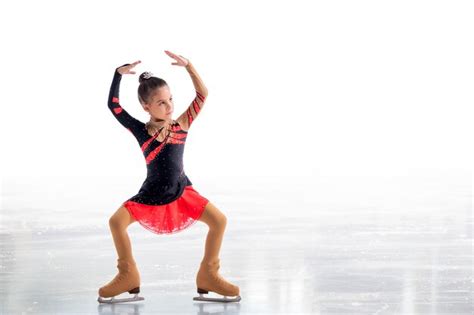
point(160, 104)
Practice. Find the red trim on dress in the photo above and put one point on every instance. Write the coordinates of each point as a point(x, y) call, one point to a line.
point(172, 217)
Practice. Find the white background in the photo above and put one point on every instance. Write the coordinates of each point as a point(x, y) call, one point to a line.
point(295, 87)
point(358, 97)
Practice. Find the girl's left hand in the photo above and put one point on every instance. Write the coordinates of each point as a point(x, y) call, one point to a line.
point(180, 60)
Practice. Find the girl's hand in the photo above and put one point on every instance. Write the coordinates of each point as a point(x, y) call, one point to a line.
point(127, 69)
point(180, 60)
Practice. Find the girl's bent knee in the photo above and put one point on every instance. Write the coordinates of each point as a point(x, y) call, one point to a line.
point(220, 222)
point(214, 218)
point(121, 219)
point(223, 220)
point(115, 223)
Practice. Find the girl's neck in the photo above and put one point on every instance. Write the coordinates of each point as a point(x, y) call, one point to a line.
point(159, 121)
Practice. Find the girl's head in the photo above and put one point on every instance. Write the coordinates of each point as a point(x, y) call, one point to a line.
point(155, 96)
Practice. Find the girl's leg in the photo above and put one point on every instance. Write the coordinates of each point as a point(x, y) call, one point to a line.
point(128, 278)
point(118, 224)
point(208, 278)
point(217, 222)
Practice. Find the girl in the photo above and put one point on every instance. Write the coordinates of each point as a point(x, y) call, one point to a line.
point(167, 201)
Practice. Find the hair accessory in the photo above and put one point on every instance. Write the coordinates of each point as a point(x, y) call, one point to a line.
point(147, 75)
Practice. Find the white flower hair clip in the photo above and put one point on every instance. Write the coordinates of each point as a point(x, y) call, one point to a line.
point(147, 75)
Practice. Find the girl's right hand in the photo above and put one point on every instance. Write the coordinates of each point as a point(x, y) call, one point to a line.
point(127, 69)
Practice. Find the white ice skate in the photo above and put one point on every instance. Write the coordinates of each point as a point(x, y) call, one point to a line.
point(114, 300)
point(224, 299)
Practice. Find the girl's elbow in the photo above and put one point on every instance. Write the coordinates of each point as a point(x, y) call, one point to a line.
point(203, 92)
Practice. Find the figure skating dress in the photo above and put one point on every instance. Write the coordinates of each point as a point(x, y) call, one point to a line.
point(166, 202)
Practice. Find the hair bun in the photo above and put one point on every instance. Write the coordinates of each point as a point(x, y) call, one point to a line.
point(145, 76)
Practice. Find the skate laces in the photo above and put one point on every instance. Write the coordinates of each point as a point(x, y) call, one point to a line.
point(221, 281)
point(119, 277)
point(124, 268)
point(212, 269)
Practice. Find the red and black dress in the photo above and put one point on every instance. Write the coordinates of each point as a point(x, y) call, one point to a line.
point(166, 202)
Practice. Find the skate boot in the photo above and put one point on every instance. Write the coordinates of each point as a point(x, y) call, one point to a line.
point(208, 279)
point(127, 280)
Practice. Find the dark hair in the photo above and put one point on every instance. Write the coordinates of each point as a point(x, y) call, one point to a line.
point(147, 85)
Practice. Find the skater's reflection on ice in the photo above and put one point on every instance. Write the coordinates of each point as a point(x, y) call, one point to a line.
point(203, 308)
point(210, 308)
point(123, 309)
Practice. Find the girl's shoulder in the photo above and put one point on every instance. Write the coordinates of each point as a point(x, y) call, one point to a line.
point(178, 125)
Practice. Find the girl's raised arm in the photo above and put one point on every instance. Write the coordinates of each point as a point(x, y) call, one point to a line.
point(187, 118)
point(117, 110)
point(190, 114)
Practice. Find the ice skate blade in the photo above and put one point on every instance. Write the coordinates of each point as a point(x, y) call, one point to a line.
point(112, 300)
point(224, 299)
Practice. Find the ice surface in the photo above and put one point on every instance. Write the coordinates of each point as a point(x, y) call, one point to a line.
point(320, 245)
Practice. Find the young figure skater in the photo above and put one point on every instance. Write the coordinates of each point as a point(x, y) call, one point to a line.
point(166, 202)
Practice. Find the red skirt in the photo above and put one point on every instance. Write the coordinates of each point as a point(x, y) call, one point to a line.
point(172, 217)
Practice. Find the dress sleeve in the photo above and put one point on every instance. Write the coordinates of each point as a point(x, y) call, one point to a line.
point(129, 122)
point(187, 118)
